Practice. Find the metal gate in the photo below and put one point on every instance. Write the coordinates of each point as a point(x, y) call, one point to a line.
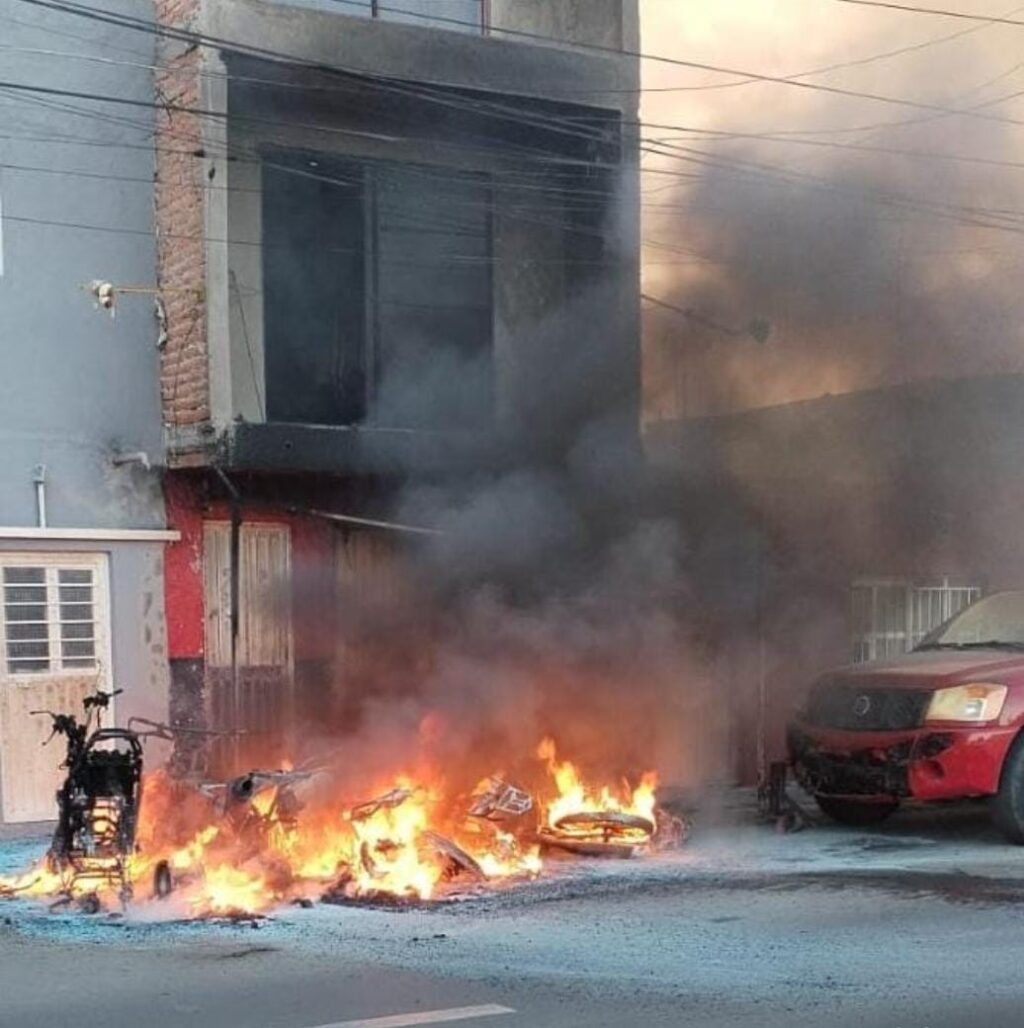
point(256, 697)
point(890, 616)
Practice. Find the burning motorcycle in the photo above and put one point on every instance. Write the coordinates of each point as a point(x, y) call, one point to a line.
point(97, 805)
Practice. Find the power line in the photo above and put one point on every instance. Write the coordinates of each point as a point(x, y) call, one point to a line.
point(939, 155)
point(422, 89)
point(223, 116)
point(519, 175)
point(715, 162)
point(702, 158)
point(909, 9)
point(446, 177)
point(148, 181)
point(383, 82)
point(684, 206)
point(50, 30)
point(690, 315)
point(843, 130)
point(777, 137)
point(456, 260)
point(809, 73)
point(504, 112)
point(949, 212)
point(824, 69)
point(547, 122)
point(207, 40)
point(51, 91)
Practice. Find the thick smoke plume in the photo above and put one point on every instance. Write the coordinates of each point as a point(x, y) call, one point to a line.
point(551, 601)
point(880, 242)
point(858, 233)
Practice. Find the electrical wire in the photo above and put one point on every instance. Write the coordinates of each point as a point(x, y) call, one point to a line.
point(503, 110)
point(931, 155)
point(674, 150)
point(824, 69)
point(809, 73)
point(910, 9)
point(768, 136)
point(704, 159)
point(143, 26)
point(200, 39)
point(456, 260)
point(146, 27)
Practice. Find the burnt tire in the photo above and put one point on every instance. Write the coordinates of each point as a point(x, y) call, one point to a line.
point(857, 813)
point(1008, 803)
point(89, 903)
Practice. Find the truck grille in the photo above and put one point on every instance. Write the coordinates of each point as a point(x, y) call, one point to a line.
point(858, 709)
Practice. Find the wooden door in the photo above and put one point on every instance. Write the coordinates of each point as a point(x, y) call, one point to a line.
point(54, 651)
point(257, 700)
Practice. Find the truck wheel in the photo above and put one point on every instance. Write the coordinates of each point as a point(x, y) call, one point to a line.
point(858, 813)
point(1008, 804)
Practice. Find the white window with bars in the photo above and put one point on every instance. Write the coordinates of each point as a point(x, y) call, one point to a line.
point(891, 616)
point(55, 614)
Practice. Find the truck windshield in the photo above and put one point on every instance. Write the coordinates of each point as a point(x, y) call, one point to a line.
point(994, 621)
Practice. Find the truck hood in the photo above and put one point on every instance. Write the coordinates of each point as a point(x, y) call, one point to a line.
point(932, 669)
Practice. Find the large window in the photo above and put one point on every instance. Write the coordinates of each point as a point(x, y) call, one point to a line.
point(891, 616)
point(377, 293)
point(52, 615)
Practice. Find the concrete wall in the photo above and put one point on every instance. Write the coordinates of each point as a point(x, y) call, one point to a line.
point(589, 22)
point(75, 384)
point(442, 13)
point(137, 626)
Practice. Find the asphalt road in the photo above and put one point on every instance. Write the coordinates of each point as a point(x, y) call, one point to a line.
point(919, 926)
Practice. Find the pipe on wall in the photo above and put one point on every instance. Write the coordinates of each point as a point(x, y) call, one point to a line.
point(39, 479)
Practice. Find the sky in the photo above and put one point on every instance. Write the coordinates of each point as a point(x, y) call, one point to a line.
point(871, 267)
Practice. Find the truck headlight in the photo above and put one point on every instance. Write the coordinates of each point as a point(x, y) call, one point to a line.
point(976, 701)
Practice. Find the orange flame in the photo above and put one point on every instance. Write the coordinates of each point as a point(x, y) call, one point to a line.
point(575, 797)
point(244, 859)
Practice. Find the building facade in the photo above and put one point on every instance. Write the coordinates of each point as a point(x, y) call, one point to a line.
point(262, 264)
point(82, 526)
point(388, 236)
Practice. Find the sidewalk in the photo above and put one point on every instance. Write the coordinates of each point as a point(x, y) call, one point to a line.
point(26, 832)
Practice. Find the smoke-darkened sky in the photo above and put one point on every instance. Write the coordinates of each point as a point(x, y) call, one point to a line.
point(871, 266)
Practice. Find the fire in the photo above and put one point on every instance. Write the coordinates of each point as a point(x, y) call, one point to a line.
point(38, 881)
point(386, 855)
point(384, 847)
point(225, 890)
point(604, 820)
point(574, 797)
point(271, 837)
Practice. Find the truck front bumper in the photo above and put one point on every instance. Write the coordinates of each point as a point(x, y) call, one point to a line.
point(927, 763)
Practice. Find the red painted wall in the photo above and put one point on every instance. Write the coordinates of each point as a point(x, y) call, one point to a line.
point(183, 568)
point(312, 542)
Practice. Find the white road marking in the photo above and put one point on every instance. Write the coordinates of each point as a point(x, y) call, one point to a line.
point(424, 1017)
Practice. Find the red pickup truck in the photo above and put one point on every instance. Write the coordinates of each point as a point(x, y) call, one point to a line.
point(941, 722)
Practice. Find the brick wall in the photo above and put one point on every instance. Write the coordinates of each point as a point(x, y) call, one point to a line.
point(179, 215)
